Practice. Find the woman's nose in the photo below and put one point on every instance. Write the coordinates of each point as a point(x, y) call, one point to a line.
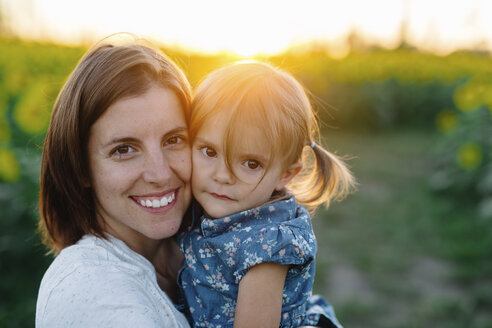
point(156, 168)
point(222, 174)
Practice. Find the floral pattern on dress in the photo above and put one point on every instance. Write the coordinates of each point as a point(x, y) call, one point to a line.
point(219, 252)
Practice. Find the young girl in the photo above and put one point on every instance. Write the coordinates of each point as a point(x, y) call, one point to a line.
point(249, 259)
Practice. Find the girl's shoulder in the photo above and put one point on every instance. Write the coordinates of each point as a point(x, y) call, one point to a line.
point(279, 232)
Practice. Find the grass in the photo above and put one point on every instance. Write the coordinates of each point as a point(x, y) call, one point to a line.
point(395, 254)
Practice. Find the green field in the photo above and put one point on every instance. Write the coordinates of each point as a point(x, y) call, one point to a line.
point(395, 254)
point(411, 248)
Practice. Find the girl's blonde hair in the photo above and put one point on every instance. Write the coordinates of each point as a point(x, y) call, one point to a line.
point(257, 94)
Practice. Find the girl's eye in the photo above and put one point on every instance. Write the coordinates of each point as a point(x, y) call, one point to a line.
point(209, 152)
point(252, 164)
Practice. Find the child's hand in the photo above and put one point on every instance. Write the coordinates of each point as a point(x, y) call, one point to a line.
point(167, 261)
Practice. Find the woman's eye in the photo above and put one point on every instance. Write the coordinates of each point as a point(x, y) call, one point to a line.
point(174, 140)
point(252, 164)
point(209, 152)
point(123, 150)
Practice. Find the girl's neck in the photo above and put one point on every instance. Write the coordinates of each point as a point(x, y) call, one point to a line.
point(279, 195)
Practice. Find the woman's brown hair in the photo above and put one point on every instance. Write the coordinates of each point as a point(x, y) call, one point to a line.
point(106, 74)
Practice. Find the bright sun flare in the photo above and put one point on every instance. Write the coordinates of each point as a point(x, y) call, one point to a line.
point(255, 26)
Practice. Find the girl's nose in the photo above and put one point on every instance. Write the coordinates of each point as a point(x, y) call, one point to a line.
point(222, 174)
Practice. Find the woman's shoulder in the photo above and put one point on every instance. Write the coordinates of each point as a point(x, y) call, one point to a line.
point(97, 254)
point(89, 266)
point(93, 261)
point(95, 274)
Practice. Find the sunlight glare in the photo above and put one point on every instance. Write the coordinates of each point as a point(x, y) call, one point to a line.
point(254, 27)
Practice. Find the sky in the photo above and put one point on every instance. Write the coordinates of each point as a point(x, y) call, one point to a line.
point(257, 26)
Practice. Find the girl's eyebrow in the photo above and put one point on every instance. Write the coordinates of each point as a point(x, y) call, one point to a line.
point(204, 141)
point(255, 156)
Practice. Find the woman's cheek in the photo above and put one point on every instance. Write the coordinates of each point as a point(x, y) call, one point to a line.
point(181, 164)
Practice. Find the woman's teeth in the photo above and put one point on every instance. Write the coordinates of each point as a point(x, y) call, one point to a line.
point(156, 203)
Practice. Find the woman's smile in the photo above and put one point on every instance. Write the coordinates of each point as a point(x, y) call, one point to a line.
point(161, 201)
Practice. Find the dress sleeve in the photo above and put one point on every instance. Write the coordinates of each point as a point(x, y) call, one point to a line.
point(106, 298)
point(281, 243)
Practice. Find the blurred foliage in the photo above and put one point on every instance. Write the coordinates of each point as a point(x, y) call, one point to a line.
point(374, 90)
point(30, 78)
point(463, 161)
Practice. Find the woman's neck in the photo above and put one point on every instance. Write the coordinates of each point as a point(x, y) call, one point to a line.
point(137, 242)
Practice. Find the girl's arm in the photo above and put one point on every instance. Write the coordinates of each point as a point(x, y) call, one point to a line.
point(259, 299)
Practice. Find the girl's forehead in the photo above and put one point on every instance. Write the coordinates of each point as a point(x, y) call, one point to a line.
point(240, 136)
point(248, 137)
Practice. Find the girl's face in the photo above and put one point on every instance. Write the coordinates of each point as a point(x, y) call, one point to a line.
point(141, 168)
point(216, 188)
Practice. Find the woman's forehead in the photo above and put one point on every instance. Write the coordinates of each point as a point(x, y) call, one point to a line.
point(157, 109)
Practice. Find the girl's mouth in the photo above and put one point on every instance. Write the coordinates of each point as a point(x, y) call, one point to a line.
point(223, 197)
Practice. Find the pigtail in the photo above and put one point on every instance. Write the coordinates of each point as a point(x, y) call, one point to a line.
point(326, 179)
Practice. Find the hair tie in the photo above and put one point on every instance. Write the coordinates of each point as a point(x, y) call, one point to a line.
point(313, 144)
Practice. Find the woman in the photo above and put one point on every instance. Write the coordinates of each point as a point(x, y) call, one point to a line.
point(115, 185)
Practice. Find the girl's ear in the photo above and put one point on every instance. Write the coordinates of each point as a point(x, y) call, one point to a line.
point(288, 175)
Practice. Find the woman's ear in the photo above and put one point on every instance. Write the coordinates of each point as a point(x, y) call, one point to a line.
point(288, 175)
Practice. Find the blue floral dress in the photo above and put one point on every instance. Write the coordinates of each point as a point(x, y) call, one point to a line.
point(219, 252)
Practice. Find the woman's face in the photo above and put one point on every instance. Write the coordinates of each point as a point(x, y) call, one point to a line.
point(140, 168)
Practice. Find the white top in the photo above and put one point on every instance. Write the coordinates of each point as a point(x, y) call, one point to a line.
point(103, 283)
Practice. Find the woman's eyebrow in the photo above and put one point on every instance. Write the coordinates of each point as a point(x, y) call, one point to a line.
point(116, 140)
point(119, 140)
point(179, 129)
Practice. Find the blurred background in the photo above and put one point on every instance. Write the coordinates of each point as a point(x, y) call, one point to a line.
point(403, 89)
